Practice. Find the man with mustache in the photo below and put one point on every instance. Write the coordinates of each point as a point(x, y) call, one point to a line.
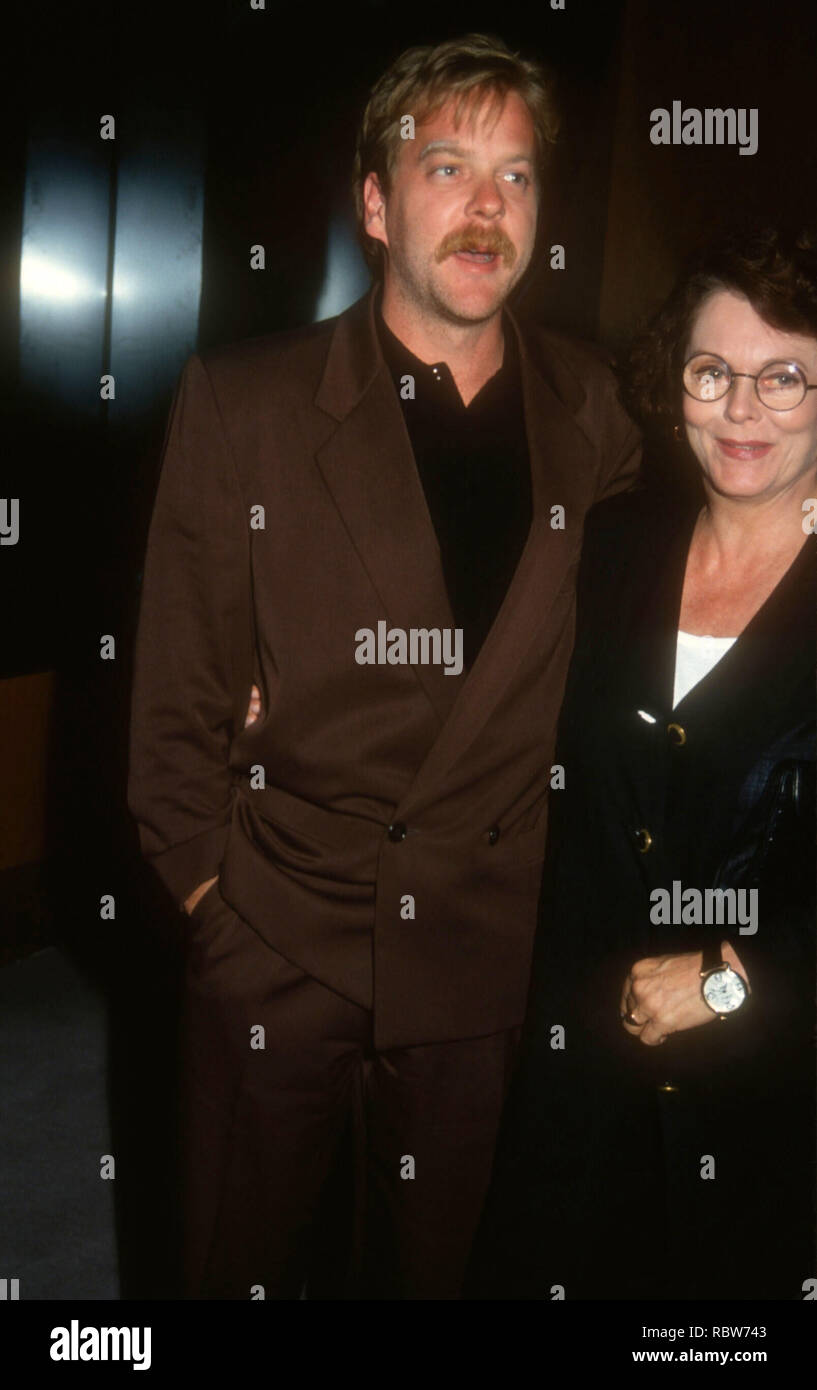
point(360, 854)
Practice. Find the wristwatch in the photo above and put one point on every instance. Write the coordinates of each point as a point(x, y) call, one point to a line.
point(723, 989)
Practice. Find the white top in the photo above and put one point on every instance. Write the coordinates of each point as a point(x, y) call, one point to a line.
point(694, 658)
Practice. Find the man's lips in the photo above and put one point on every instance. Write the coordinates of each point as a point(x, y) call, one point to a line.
point(466, 250)
point(478, 260)
point(746, 449)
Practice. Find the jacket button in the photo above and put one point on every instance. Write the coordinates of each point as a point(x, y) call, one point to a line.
point(493, 834)
point(397, 831)
point(677, 735)
point(643, 840)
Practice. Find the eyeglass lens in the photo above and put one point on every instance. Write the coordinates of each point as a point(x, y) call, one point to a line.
point(780, 385)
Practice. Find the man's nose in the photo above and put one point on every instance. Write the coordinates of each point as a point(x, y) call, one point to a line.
point(486, 198)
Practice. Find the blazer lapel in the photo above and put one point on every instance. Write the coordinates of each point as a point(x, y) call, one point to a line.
point(562, 459)
point(764, 659)
point(767, 665)
point(368, 466)
point(658, 582)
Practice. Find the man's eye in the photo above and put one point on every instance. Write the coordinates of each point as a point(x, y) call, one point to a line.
point(522, 179)
point(444, 168)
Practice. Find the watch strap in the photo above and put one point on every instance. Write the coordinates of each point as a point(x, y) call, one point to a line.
point(711, 954)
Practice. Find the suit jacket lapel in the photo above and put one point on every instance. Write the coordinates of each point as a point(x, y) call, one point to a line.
point(656, 598)
point(562, 458)
point(744, 691)
point(369, 468)
point(767, 665)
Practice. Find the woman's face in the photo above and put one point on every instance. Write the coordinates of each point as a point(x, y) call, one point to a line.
point(746, 449)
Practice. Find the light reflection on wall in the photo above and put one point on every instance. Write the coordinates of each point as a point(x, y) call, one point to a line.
point(157, 257)
point(64, 266)
point(123, 217)
point(42, 278)
point(346, 277)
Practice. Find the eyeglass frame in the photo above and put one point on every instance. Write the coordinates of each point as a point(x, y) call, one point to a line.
point(773, 361)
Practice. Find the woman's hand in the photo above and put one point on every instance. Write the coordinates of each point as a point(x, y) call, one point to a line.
point(254, 707)
point(663, 995)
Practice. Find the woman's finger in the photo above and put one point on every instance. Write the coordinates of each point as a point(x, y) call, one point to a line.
point(254, 707)
point(652, 1035)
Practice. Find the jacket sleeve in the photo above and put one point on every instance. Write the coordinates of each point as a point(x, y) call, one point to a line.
point(778, 862)
point(193, 648)
point(620, 446)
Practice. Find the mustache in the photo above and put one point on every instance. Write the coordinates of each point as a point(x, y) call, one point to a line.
point(491, 239)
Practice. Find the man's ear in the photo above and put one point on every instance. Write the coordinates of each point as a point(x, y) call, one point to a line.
point(374, 209)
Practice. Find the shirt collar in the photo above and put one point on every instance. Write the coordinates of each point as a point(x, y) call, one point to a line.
point(402, 361)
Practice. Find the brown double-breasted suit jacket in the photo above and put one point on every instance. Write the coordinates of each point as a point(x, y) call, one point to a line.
point(381, 826)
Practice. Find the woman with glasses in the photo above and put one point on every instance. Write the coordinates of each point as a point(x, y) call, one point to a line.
point(659, 1139)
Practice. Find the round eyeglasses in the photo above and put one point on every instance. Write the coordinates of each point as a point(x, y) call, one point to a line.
point(779, 385)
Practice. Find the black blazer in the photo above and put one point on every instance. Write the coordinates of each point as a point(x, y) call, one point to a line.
point(723, 784)
point(718, 792)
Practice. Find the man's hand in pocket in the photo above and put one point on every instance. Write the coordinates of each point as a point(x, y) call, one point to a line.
point(253, 712)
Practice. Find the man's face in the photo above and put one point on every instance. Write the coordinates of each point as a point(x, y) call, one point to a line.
point(459, 221)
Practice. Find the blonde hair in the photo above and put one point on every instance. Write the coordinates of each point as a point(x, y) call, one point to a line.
point(419, 83)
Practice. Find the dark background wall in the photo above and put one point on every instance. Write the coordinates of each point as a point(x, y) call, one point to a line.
point(241, 123)
point(234, 127)
point(665, 200)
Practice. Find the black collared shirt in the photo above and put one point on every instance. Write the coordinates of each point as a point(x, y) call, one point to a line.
point(474, 466)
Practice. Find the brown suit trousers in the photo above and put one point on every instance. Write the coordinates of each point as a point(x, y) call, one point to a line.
point(263, 1120)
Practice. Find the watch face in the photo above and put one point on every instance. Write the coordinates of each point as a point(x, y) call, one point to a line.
point(724, 990)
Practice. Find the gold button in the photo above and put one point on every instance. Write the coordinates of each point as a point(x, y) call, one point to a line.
point(677, 735)
point(667, 1086)
point(643, 839)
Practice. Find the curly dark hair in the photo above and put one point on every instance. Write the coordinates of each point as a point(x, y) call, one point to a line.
point(774, 267)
